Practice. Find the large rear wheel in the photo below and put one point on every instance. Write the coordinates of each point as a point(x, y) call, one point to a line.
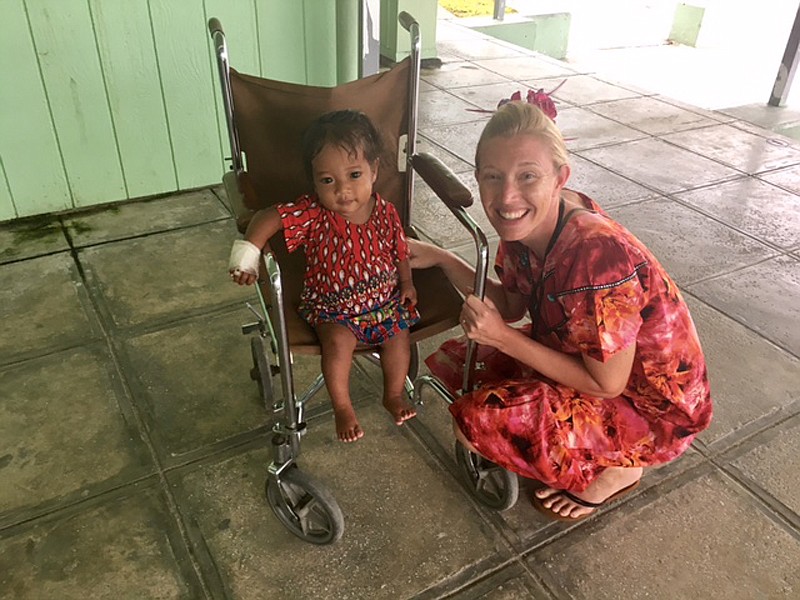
point(491, 484)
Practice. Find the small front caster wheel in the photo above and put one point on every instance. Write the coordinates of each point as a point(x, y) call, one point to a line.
point(305, 507)
point(491, 484)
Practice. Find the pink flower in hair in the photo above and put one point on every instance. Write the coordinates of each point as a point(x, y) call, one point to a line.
point(538, 98)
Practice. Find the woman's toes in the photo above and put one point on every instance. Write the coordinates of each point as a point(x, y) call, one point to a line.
point(556, 502)
point(560, 505)
point(546, 494)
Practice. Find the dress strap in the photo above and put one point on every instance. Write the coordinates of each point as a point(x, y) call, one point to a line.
point(537, 291)
point(562, 221)
point(557, 231)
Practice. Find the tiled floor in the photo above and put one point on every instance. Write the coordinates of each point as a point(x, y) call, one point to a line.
point(133, 447)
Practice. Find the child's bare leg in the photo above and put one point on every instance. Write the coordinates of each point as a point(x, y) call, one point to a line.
point(395, 358)
point(338, 344)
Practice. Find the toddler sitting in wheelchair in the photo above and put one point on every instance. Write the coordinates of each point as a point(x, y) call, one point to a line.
point(357, 286)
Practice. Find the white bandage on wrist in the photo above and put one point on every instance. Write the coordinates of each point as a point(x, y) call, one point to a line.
point(244, 257)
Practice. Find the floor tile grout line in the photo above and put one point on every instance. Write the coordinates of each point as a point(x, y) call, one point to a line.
point(461, 585)
point(15, 261)
point(541, 581)
point(212, 453)
point(82, 246)
point(752, 430)
point(440, 454)
point(175, 319)
point(138, 236)
point(218, 190)
point(716, 160)
point(138, 329)
point(687, 284)
point(781, 514)
point(675, 196)
point(744, 324)
point(33, 355)
point(675, 480)
point(580, 153)
point(56, 507)
point(172, 504)
point(490, 573)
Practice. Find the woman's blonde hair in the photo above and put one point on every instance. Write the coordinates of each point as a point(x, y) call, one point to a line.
point(515, 118)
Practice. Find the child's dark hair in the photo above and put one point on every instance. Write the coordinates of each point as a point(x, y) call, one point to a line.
point(349, 129)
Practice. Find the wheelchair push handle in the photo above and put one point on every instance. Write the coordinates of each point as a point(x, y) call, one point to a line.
point(441, 179)
point(215, 26)
point(406, 20)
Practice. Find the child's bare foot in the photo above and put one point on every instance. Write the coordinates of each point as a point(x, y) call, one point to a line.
point(399, 409)
point(347, 427)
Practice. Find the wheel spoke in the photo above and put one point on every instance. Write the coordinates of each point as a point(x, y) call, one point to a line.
point(489, 483)
point(305, 508)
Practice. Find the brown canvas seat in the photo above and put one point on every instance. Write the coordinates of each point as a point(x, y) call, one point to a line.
point(271, 117)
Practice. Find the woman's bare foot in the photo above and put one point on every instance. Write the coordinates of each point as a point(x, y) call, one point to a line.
point(610, 482)
point(347, 427)
point(399, 409)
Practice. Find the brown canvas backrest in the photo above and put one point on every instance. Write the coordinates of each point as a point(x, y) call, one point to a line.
point(272, 116)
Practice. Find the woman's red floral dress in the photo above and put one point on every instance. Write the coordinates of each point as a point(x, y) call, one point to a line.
point(599, 291)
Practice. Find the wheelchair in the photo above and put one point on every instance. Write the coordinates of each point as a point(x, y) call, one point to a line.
point(265, 121)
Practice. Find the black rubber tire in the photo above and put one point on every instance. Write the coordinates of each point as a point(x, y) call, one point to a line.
point(489, 483)
point(305, 507)
point(261, 372)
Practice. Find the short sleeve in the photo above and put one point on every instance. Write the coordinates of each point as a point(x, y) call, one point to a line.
point(602, 294)
point(296, 218)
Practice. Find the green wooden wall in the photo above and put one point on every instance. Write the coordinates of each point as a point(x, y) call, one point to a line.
point(106, 100)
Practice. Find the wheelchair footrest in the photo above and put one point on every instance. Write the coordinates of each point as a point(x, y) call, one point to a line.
point(252, 327)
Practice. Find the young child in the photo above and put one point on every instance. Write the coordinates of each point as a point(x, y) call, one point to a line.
point(357, 285)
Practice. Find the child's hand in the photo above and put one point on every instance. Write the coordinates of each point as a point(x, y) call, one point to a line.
point(243, 263)
point(243, 277)
point(408, 293)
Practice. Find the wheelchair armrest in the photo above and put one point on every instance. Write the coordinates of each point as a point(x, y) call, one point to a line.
point(241, 194)
point(442, 180)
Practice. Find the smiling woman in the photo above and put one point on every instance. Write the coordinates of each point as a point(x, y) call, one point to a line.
point(470, 8)
point(608, 377)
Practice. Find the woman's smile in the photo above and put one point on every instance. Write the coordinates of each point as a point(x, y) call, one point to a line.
point(512, 215)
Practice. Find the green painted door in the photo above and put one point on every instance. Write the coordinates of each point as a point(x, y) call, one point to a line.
point(105, 101)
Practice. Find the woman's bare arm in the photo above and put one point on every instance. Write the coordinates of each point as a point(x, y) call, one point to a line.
point(462, 275)
point(585, 374)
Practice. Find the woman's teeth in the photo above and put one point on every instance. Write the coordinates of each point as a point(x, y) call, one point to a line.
point(512, 215)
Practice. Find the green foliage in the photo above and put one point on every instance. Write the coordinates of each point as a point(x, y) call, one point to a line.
point(471, 8)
